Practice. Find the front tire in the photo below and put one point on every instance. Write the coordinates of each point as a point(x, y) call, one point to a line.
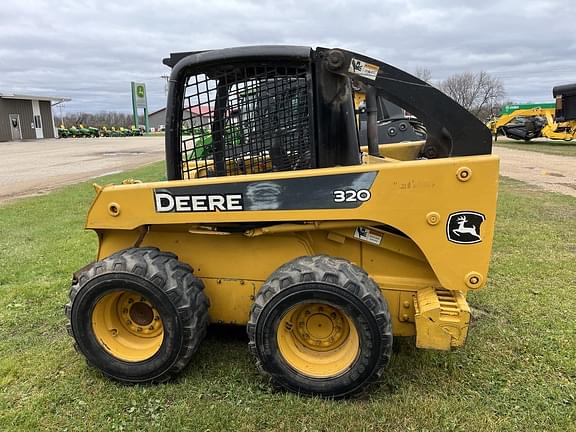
point(320, 326)
point(138, 315)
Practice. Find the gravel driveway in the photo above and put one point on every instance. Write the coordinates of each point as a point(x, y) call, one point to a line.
point(553, 173)
point(34, 167)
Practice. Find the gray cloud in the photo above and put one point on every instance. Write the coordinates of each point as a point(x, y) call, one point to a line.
point(91, 50)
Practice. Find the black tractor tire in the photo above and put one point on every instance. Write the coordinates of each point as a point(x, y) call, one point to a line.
point(175, 296)
point(341, 286)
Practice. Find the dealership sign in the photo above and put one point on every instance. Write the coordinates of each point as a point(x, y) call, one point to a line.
point(139, 95)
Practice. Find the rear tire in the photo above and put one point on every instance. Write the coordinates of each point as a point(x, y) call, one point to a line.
point(138, 315)
point(320, 326)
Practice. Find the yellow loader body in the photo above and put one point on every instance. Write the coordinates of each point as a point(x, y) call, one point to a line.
point(295, 205)
point(422, 274)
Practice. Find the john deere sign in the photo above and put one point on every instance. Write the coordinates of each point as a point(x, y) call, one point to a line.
point(139, 95)
point(139, 101)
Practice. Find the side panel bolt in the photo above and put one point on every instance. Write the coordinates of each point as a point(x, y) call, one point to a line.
point(433, 218)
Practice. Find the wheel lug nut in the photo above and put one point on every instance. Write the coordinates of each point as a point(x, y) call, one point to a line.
point(139, 329)
point(333, 315)
point(130, 301)
point(151, 328)
point(124, 311)
point(156, 318)
point(128, 322)
point(114, 332)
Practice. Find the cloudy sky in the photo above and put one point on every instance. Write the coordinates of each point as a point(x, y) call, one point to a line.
point(90, 50)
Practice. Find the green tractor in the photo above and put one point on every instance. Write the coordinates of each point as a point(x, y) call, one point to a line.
point(136, 131)
point(105, 132)
point(84, 132)
point(94, 132)
point(64, 132)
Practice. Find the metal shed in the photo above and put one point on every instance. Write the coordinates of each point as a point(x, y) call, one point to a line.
point(193, 116)
point(27, 117)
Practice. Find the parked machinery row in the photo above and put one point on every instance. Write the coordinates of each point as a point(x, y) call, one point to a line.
point(81, 131)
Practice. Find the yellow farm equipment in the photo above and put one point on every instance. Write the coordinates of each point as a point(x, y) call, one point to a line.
point(274, 217)
point(556, 121)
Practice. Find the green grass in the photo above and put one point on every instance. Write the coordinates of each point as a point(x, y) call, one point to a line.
point(562, 148)
point(517, 372)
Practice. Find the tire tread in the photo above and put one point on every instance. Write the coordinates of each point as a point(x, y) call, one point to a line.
point(334, 271)
point(168, 274)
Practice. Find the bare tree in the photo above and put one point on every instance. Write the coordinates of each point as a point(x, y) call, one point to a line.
point(103, 118)
point(477, 92)
point(424, 74)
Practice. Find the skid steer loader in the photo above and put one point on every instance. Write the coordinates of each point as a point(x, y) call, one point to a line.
point(274, 217)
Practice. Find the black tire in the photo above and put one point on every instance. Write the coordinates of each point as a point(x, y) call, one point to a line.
point(170, 287)
point(334, 282)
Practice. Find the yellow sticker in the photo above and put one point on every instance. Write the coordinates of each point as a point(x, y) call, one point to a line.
point(363, 69)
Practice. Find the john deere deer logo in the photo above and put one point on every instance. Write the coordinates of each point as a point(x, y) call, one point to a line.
point(464, 227)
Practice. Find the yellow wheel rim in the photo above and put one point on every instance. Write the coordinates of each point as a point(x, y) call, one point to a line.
point(318, 340)
point(128, 326)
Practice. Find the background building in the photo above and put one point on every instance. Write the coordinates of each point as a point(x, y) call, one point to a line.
point(193, 117)
point(27, 117)
point(157, 119)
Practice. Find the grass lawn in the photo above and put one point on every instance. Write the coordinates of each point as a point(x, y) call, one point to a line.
point(517, 372)
point(562, 148)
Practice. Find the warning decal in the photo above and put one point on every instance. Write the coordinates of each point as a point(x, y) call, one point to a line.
point(365, 234)
point(363, 69)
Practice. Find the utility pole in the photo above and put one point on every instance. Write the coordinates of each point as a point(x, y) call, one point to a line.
point(165, 78)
